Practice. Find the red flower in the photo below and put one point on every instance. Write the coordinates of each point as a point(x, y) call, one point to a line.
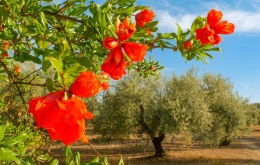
point(105, 86)
point(187, 45)
point(6, 44)
point(148, 31)
point(124, 30)
point(64, 119)
point(115, 64)
point(214, 26)
point(17, 69)
point(135, 51)
point(5, 54)
point(110, 43)
point(143, 17)
point(86, 85)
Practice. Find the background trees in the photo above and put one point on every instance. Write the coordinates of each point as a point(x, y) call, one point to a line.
point(202, 107)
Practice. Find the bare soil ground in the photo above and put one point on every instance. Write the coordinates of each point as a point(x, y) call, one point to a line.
point(244, 151)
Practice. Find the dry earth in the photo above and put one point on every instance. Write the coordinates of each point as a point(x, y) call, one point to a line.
point(245, 151)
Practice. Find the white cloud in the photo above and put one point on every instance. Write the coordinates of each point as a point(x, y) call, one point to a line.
point(167, 22)
point(246, 86)
point(245, 21)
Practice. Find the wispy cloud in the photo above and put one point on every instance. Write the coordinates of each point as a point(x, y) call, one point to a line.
point(169, 69)
point(246, 86)
point(245, 20)
point(167, 22)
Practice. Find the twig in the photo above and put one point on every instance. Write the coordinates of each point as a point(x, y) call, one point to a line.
point(30, 74)
point(21, 95)
point(94, 150)
point(29, 83)
point(62, 16)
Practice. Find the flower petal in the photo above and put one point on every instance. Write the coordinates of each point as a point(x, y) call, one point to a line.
point(224, 27)
point(214, 17)
point(135, 51)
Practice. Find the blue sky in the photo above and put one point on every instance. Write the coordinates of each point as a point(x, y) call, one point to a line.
point(240, 57)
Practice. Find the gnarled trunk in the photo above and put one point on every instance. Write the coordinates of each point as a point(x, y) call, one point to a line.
point(157, 143)
point(157, 140)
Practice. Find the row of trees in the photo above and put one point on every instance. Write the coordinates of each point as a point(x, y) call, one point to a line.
point(202, 107)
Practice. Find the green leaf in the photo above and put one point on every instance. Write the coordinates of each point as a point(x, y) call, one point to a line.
point(68, 154)
point(46, 65)
point(128, 10)
point(78, 10)
point(54, 162)
point(50, 85)
point(29, 161)
point(217, 49)
point(167, 36)
point(202, 54)
point(21, 137)
point(197, 23)
point(121, 162)
point(75, 69)
point(179, 36)
point(29, 57)
point(66, 49)
point(8, 155)
point(95, 160)
point(30, 33)
point(2, 132)
point(21, 29)
point(42, 44)
point(56, 63)
point(103, 21)
point(85, 61)
point(77, 158)
point(42, 19)
point(151, 24)
point(3, 14)
point(104, 160)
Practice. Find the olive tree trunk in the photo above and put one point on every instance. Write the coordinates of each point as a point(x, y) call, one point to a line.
point(157, 140)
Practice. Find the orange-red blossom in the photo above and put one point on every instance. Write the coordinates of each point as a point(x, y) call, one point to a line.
point(110, 43)
point(63, 119)
point(187, 45)
point(214, 26)
point(5, 54)
point(143, 17)
point(86, 85)
point(124, 30)
point(115, 63)
point(17, 69)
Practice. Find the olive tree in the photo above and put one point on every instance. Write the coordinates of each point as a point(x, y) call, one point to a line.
point(232, 115)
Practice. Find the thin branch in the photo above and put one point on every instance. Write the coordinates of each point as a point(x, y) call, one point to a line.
point(33, 77)
point(95, 150)
point(62, 16)
point(167, 47)
point(29, 83)
point(64, 7)
point(30, 74)
point(21, 95)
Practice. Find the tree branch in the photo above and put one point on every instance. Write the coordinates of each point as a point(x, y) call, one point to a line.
point(29, 83)
point(144, 124)
point(30, 74)
point(61, 16)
